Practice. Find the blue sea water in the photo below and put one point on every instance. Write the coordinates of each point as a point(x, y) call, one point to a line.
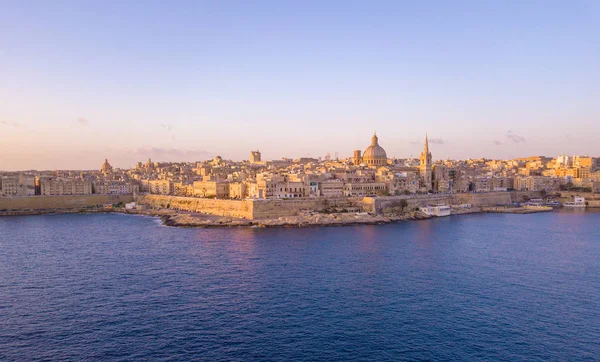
point(476, 287)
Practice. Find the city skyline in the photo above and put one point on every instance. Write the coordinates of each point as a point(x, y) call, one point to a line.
point(128, 158)
point(186, 82)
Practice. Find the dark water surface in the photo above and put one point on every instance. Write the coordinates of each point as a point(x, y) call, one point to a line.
point(478, 287)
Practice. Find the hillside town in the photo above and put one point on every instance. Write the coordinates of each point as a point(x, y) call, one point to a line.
point(366, 173)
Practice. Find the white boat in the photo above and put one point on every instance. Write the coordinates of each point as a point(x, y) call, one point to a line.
point(578, 201)
point(440, 210)
point(574, 204)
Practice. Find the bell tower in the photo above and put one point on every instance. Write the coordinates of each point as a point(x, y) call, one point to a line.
point(425, 166)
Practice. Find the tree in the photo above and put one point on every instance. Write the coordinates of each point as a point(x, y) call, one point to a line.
point(403, 204)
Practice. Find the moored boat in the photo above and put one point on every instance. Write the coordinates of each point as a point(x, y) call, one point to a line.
point(578, 201)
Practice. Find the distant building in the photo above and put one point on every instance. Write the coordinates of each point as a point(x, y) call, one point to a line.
point(9, 186)
point(106, 167)
point(65, 187)
point(562, 161)
point(536, 183)
point(591, 163)
point(160, 187)
point(365, 189)
point(218, 189)
point(255, 157)
point(331, 188)
point(374, 155)
point(291, 189)
point(114, 188)
point(183, 189)
point(357, 159)
point(426, 162)
point(237, 190)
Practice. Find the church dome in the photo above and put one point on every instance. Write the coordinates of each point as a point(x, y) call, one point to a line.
point(106, 167)
point(375, 155)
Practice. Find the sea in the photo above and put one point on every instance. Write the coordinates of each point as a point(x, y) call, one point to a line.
point(479, 287)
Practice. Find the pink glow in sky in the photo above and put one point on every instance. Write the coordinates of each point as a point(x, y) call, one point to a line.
point(80, 82)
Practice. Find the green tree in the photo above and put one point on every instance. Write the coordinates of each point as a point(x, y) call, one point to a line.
point(403, 204)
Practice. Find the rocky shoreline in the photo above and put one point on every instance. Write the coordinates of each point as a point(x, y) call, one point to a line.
point(339, 219)
point(176, 218)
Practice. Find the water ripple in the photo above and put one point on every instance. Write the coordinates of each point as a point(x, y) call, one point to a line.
point(477, 287)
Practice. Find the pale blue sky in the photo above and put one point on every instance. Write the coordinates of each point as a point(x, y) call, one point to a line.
point(81, 80)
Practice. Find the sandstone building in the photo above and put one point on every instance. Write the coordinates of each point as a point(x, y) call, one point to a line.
point(426, 162)
point(374, 155)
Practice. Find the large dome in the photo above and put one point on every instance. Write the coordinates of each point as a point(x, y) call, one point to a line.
point(106, 167)
point(375, 154)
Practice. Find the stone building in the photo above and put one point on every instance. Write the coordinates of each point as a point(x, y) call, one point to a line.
point(106, 167)
point(114, 188)
point(9, 186)
point(255, 157)
point(183, 189)
point(592, 163)
point(65, 187)
point(291, 189)
point(374, 155)
point(218, 189)
point(539, 183)
point(536, 183)
point(237, 190)
point(331, 188)
point(426, 162)
point(160, 187)
point(365, 189)
point(357, 158)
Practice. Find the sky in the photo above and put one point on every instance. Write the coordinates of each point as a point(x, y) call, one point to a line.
point(81, 81)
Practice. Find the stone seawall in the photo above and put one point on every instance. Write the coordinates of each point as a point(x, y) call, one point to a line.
point(275, 208)
point(266, 209)
point(233, 208)
point(60, 202)
point(394, 203)
point(248, 209)
point(387, 204)
point(495, 198)
point(593, 203)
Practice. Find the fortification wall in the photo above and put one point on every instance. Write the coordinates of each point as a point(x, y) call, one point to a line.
point(496, 198)
point(60, 202)
point(233, 208)
point(568, 195)
point(265, 209)
point(247, 209)
point(387, 204)
point(274, 208)
point(520, 196)
point(394, 203)
point(490, 199)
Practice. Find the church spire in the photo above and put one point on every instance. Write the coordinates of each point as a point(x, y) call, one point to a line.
point(426, 149)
